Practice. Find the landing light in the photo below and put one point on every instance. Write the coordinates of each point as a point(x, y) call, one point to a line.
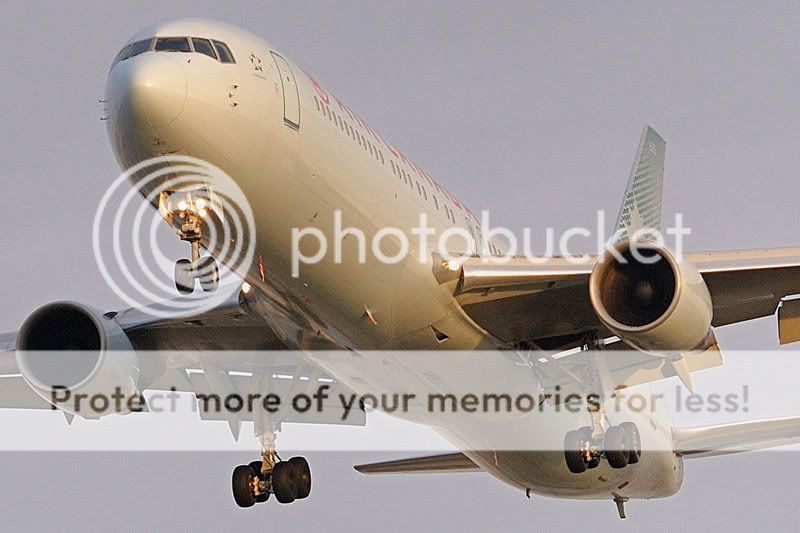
point(452, 265)
point(182, 205)
point(246, 287)
point(201, 204)
point(202, 213)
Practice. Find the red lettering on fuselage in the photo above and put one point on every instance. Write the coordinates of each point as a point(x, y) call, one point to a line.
point(320, 91)
point(394, 151)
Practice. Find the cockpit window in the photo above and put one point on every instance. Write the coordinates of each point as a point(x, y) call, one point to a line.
point(203, 46)
point(139, 47)
point(224, 52)
point(133, 49)
point(172, 44)
point(123, 54)
point(213, 49)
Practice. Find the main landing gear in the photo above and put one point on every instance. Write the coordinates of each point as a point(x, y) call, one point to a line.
point(191, 212)
point(584, 448)
point(287, 480)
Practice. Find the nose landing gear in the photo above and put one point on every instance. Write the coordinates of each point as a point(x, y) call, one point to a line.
point(203, 269)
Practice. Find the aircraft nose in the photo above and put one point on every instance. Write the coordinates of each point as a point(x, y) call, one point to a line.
point(148, 90)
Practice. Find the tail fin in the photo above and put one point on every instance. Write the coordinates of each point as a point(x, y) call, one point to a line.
point(641, 208)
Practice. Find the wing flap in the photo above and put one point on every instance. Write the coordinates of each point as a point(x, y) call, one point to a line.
point(789, 321)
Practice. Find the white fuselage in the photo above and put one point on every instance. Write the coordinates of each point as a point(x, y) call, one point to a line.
point(300, 155)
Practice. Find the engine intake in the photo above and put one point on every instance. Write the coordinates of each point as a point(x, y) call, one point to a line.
point(650, 300)
point(66, 345)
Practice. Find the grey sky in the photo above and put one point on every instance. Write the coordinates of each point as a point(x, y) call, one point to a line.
point(531, 110)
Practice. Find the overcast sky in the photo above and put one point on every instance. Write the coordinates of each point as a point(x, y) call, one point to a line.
point(531, 110)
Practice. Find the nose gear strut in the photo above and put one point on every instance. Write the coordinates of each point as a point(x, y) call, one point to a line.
point(187, 214)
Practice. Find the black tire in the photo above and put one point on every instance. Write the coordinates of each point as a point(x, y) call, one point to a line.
point(572, 452)
point(241, 483)
point(615, 447)
point(634, 442)
point(184, 280)
point(256, 466)
point(586, 431)
point(208, 273)
point(303, 476)
point(284, 482)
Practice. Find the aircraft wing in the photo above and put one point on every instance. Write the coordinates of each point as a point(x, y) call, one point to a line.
point(737, 437)
point(544, 301)
point(228, 350)
point(541, 300)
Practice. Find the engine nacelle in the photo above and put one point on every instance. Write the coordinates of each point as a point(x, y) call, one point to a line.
point(78, 360)
point(653, 302)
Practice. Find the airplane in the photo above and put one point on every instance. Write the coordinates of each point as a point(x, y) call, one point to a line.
point(214, 92)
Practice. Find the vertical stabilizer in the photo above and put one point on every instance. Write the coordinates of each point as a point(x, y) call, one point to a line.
point(641, 206)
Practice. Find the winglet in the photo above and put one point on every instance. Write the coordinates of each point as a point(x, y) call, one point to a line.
point(641, 206)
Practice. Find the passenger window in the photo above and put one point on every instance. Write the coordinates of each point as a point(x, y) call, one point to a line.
point(436, 202)
point(203, 46)
point(424, 192)
point(472, 236)
point(224, 52)
point(172, 44)
point(316, 103)
point(381, 154)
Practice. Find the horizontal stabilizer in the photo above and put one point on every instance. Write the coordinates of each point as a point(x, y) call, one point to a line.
point(737, 437)
point(451, 462)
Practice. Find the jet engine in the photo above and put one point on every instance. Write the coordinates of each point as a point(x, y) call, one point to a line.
point(79, 360)
point(650, 300)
